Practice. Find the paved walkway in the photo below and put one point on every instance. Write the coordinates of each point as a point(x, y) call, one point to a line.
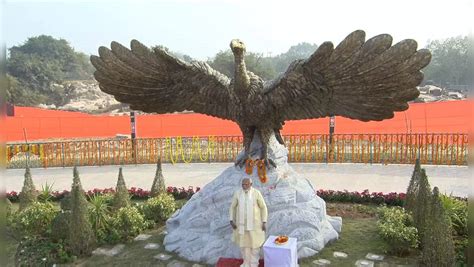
point(353, 177)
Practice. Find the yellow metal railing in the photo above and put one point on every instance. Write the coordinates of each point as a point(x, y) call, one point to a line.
point(438, 149)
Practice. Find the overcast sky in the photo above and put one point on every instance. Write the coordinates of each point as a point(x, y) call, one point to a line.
point(201, 28)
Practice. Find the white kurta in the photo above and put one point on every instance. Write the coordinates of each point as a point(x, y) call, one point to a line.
point(255, 237)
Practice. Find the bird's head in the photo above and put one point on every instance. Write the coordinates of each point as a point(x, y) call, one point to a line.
point(237, 47)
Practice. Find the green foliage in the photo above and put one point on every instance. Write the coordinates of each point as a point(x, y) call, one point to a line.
point(412, 190)
point(60, 226)
point(45, 194)
point(396, 228)
point(456, 210)
point(160, 208)
point(158, 187)
point(121, 197)
point(81, 238)
point(422, 203)
point(38, 64)
point(65, 202)
point(37, 251)
point(438, 247)
point(34, 220)
point(28, 192)
point(8, 208)
point(451, 62)
point(99, 216)
point(128, 222)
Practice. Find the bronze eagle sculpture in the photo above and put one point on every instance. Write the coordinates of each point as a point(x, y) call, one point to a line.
point(359, 79)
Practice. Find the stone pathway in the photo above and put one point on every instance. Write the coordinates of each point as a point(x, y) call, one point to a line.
point(369, 261)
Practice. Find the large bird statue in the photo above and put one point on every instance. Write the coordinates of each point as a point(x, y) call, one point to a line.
point(363, 80)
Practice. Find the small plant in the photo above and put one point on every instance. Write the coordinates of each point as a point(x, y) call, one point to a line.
point(160, 208)
point(38, 251)
point(45, 194)
point(34, 220)
point(396, 228)
point(99, 215)
point(128, 223)
point(456, 210)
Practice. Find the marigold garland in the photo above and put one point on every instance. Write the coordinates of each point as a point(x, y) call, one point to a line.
point(249, 166)
point(261, 171)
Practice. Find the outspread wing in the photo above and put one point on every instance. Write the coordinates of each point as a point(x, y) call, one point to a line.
point(364, 80)
point(154, 81)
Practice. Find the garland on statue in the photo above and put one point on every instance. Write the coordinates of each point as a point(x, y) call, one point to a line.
point(262, 175)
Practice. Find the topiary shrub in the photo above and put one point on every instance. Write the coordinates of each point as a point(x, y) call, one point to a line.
point(121, 196)
point(160, 208)
point(34, 220)
point(422, 204)
point(81, 239)
point(127, 223)
point(412, 190)
point(28, 192)
point(396, 228)
point(438, 248)
point(158, 187)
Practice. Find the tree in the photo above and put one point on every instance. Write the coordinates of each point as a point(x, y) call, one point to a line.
point(438, 248)
point(158, 186)
point(413, 187)
point(81, 237)
point(28, 192)
point(121, 197)
point(451, 62)
point(40, 63)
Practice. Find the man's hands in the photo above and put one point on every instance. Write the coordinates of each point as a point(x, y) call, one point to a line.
point(264, 225)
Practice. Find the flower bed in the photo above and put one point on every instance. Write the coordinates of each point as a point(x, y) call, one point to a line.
point(391, 199)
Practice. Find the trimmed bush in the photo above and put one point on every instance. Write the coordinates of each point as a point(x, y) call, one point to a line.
point(438, 248)
point(412, 190)
point(160, 208)
point(158, 186)
point(396, 228)
point(34, 220)
point(28, 192)
point(121, 196)
point(128, 222)
point(422, 204)
point(81, 239)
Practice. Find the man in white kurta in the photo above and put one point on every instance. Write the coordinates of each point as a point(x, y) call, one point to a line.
point(248, 217)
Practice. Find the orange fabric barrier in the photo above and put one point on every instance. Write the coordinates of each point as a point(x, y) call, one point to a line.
point(41, 124)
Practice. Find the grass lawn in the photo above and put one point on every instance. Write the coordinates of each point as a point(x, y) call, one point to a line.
point(359, 236)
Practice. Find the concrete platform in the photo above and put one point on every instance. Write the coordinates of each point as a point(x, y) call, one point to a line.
point(338, 176)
